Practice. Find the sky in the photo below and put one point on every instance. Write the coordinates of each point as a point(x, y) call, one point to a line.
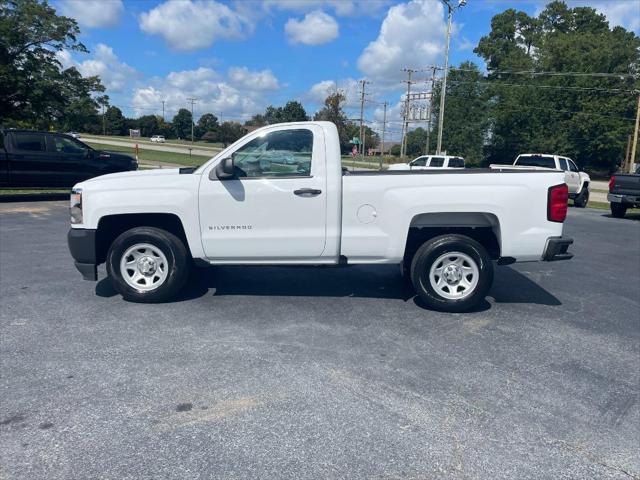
point(237, 57)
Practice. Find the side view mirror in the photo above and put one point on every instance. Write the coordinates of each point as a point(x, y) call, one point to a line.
point(225, 170)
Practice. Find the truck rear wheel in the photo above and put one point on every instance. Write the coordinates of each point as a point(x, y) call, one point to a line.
point(618, 210)
point(452, 273)
point(147, 264)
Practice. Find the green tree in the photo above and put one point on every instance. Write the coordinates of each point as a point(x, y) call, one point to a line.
point(229, 132)
point(416, 142)
point(149, 125)
point(292, 111)
point(258, 120)
point(182, 123)
point(33, 89)
point(114, 121)
point(466, 119)
point(333, 112)
point(207, 123)
point(583, 116)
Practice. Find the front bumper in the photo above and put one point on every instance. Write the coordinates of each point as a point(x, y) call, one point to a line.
point(556, 249)
point(82, 245)
point(626, 199)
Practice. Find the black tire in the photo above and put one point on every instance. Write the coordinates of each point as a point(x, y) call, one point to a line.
point(178, 264)
point(581, 199)
point(429, 253)
point(618, 210)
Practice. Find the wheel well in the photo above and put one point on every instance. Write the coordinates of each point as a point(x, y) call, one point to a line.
point(585, 185)
point(485, 236)
point(111, 226)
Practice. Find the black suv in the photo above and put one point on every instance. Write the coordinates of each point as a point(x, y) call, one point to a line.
point(45, 159)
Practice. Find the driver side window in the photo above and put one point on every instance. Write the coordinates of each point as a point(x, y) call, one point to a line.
point(67, 145)
point(283, 153)
point(572, 166)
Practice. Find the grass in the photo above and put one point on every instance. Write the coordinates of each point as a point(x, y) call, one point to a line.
point(598, 205)
point(155, 156)
point(32, 191)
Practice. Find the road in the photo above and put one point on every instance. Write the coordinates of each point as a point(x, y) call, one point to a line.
point(159, 147)
point(269, 372)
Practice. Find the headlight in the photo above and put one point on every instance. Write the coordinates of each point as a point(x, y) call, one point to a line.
point(75, 205)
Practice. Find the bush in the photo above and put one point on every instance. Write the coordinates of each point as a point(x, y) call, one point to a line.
point(210, 137)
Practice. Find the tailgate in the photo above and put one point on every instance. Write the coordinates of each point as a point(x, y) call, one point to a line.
point(626, 185)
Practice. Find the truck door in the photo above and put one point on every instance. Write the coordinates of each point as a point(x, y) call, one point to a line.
point(275, 206)
point(572, 179)
point(30, 164)
point(73, 161)
point(4, 161)
point(574, 176)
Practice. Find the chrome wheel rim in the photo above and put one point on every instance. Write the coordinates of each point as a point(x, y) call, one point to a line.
point(144, 267)
point(454, 275)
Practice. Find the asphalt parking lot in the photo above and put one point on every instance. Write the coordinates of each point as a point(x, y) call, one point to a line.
point(319, 373)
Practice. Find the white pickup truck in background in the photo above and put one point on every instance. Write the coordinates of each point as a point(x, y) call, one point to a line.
point(427, 162)
point(577, 181)
point(279, 196)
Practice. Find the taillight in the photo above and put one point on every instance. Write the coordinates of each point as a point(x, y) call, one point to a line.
point(612, 182)
point(557, 203)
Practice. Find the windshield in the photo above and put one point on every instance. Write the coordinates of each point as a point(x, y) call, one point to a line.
point(536, 161)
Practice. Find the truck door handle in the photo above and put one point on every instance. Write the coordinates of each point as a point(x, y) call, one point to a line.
point(307, 192)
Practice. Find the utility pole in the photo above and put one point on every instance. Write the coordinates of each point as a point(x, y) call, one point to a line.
point(405, 123)
point(163, 110)
point(430, 109)
point(363, 83)
point(632, 158)
point(192, 100)
point(443, 90)
point(384, 127)
point(104, 125)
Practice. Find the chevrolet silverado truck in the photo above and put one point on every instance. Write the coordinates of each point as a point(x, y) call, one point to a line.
point(428, 162)
point(279, 196)
point(46, 159)
point(624, 192)
point(577, 181)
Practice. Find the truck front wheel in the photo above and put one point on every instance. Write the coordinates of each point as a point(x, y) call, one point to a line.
point(452, 273)
point(147, 264)
point(582, 198)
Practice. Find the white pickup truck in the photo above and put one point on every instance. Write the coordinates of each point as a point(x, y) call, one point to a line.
point(280, 196)
point(577, 181)
point(428, 162)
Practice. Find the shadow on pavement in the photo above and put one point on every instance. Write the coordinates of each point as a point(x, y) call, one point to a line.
point(635, 215)
point(380, 281)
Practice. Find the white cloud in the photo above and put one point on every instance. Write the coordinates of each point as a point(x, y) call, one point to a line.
point(466, 44)
point(348, 87)
point(115, 75)
point(245, 78)
point(191, 25)
point(240, 95)
point(619, 13)
point(412, 35)
point(341, 7)
point(93, 13)
point(316, 28)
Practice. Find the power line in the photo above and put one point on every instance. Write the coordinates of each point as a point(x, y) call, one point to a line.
point(553, 87)
point(555, 74)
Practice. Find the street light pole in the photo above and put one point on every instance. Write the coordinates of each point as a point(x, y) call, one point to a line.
point(443, 89)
